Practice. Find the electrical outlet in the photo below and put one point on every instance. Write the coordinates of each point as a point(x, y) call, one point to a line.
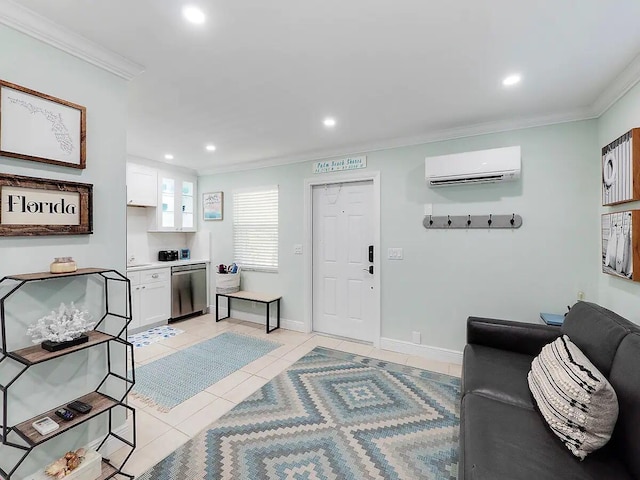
point(428, 209)
point(580, 296)
point(297, 249)
point(395, 254)
point(416, 337)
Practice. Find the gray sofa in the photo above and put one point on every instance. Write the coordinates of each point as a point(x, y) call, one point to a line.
point(504, 437)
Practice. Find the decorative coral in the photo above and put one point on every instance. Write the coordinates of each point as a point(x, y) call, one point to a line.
point(66, 324)
point(67, 464)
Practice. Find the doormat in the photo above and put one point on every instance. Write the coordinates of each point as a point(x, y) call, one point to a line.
point(331, 415)
point(171, 380)
point(153, 335)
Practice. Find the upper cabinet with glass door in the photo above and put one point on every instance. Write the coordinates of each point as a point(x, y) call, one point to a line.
point(177, 203)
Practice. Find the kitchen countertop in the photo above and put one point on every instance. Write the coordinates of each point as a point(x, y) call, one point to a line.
point(150, 265)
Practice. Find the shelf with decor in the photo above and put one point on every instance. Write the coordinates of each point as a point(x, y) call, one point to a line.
point(108, 332)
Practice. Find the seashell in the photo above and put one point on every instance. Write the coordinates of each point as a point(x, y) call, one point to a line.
point(62, 474)
point(73, 463)
point(56, 467)
point(69, 455)
point(81, 452)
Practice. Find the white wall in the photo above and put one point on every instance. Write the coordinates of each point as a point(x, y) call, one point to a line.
point(621, 296)
point(448, 275)
point(30, 63)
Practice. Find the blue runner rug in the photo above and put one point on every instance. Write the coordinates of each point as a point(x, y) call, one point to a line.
point(171, 380)
point(331, 415)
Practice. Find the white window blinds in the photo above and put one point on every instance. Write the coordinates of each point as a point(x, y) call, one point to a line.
point(255, 229)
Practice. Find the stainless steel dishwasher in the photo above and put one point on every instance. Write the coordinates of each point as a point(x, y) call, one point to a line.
point(188, 290)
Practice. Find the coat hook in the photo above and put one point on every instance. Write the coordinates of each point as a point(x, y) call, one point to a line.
point(449, 220)
point(430, 220)
point(513, 219)
point(490, 220)
point(469, 220)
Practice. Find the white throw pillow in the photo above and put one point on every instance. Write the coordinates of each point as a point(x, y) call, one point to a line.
point(575, 399)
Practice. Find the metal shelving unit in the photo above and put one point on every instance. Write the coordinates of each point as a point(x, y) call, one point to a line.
point(22, 436)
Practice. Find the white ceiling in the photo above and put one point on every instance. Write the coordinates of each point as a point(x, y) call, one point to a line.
point(259, 76)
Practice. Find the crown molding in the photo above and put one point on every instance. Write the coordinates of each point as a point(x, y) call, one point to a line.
point(30, 23)
point(624, 82)
point(485, 128)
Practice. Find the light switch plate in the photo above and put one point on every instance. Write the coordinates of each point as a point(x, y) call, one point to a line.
point(297, 249)
point(395, 254)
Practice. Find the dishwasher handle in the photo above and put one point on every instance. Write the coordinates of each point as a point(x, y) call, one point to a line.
point(188, 268)
point(183, 272)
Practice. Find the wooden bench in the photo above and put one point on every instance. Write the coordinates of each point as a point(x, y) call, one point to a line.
point(252, 297)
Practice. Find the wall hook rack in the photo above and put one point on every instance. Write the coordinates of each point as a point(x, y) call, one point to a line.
point(490, 221)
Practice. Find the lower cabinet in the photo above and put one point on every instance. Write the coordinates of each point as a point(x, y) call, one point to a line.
point(150, 297)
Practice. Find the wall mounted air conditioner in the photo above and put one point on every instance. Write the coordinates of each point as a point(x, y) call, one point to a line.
point(483, 166)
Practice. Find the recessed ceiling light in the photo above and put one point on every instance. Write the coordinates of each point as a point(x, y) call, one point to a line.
point(168, 156)
point(193, 14)
point(329, 122)
point(210, 148)
point(512, 80)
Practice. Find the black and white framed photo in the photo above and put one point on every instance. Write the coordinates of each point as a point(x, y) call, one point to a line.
point(620, 244)
point(41, 128)
point(621, 169)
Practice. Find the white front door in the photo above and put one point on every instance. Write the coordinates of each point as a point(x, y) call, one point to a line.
point(344, 297)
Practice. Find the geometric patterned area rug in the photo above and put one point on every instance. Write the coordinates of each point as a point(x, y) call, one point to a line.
point(153, 335)
point(331, 415)
point(171, 380)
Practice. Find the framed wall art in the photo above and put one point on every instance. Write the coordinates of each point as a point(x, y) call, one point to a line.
point(213, 205)
point(36, 206)
point(620, 249)
point(38, 127)
point(621, 169)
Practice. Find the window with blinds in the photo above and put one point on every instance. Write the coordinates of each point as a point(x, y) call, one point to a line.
point(255, 229)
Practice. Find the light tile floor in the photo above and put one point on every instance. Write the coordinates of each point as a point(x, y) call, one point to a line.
point(159, 434)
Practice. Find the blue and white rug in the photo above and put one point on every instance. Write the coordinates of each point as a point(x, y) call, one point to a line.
point(153, 335)
point(171, 380)
point(331, 415)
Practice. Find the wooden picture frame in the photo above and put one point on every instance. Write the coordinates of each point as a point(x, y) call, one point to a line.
point(620, 244)
point(41, 128)
point(32, 206)
point(621, 169)
point(213, 206)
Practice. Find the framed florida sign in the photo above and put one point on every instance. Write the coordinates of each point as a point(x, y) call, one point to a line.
point(35, 206)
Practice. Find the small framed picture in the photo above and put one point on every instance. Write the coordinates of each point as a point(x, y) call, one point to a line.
point(41, 128)
point(213, 205)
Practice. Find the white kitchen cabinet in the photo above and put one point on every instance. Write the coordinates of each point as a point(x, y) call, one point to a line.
point(150, 297)
point(177, 203)
point(142, 186)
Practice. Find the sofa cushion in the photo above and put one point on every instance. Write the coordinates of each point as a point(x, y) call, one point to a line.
point(507, 442)
point(625, 378)
point(575, 399)
point(498, 374)
point(597, 332)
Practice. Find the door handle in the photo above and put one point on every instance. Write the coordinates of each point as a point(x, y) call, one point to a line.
point(370, 269)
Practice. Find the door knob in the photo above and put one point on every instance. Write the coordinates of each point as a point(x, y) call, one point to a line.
point(370, 269)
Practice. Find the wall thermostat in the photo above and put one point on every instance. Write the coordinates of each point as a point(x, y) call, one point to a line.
point(45, 426)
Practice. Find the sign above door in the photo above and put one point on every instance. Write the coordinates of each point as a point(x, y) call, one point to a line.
point(349, 163)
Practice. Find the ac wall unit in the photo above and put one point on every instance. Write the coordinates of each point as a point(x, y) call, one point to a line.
point(484, 166)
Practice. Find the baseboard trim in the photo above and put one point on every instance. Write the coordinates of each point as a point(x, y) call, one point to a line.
point(295, 325)
point(112, 445)
point(426, 351)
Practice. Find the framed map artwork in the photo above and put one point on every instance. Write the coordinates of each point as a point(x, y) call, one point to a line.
point(41, 128)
